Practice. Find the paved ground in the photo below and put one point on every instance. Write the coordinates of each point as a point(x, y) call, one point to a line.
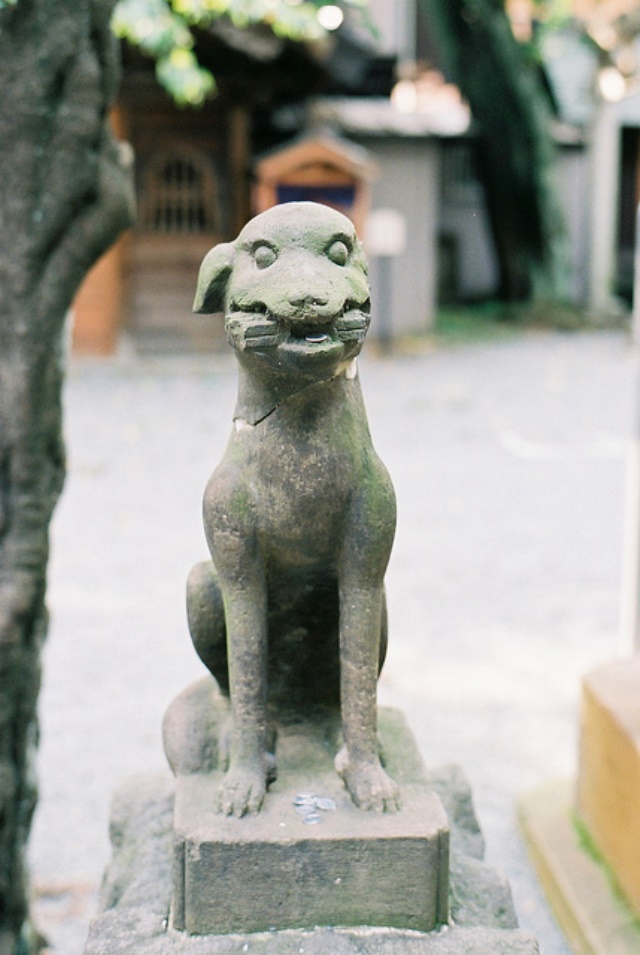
point(509, 465)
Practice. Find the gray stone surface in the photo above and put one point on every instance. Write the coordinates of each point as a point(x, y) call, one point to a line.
point(275, 869)
point(134, 932)
point(137, 895)
point(196, 745)
point(509, 461)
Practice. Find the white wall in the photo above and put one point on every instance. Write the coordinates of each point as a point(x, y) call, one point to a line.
point(408, 182)
point(463, 217)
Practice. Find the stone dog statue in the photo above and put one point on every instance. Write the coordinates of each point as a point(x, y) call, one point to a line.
point(299, 516)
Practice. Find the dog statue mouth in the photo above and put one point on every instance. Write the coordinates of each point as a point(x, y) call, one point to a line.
point(257, 329)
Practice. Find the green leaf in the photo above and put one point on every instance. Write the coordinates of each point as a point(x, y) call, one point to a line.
point(150, 25)
point(182, 76)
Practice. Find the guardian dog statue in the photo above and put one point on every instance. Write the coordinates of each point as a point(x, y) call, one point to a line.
point(289, 616)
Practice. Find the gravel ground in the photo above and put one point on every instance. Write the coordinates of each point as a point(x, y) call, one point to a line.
point(509, 462)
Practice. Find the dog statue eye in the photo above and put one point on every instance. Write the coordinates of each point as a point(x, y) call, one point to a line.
point(264, 256)
point(338, 252)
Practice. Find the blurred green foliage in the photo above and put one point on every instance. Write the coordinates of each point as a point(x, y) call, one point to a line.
point(163, 29)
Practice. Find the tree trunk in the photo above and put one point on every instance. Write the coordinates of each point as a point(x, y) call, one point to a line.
point(514, 146)
point(64, 197)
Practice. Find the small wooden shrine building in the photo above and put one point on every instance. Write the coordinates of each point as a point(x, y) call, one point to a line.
point(193, 172)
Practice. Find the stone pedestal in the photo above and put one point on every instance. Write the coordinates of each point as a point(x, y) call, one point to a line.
point(580, 890)
point(186, 881)
point(608, 792)
point(584, 836)
point(135, 910)
point(340, 866)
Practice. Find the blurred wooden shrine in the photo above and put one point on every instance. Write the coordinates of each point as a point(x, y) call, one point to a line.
point(191, 189)
point(318, 168)
point(193, 176)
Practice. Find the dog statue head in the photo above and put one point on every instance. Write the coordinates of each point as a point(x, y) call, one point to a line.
point(294, 290)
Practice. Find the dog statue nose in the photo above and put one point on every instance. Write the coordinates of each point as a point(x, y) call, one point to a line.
point(309, 311)
point(309, 302)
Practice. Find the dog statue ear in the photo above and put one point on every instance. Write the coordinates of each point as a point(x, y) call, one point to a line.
point(212, 279)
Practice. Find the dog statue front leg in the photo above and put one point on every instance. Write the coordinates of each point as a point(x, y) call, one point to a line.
point(245, 782)
point(358, 763)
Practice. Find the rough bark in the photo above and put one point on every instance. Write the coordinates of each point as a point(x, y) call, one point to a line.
point(64, 197)
point(515, 150)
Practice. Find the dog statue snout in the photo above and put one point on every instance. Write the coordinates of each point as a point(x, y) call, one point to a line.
point(309, 312)
point(310, 303)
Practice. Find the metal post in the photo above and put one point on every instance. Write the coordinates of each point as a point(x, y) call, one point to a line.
point(631, 553)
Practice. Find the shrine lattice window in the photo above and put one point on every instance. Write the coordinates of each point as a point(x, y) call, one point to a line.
point(179, 195)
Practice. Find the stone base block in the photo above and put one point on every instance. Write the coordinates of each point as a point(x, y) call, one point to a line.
point(136, 893)
point(608, 791)
point(340, 866)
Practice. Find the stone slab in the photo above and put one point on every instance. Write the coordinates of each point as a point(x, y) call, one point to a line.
point(129, 933)
point(274, 870)
point(608, 789)
point(593, 916)
point(136, 893)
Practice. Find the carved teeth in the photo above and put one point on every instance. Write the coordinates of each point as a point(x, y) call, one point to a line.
point(316, 339)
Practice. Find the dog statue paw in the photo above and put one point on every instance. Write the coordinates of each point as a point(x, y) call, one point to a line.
point(370, 786)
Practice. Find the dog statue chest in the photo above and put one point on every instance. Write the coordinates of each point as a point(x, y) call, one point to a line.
point(298, 482)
